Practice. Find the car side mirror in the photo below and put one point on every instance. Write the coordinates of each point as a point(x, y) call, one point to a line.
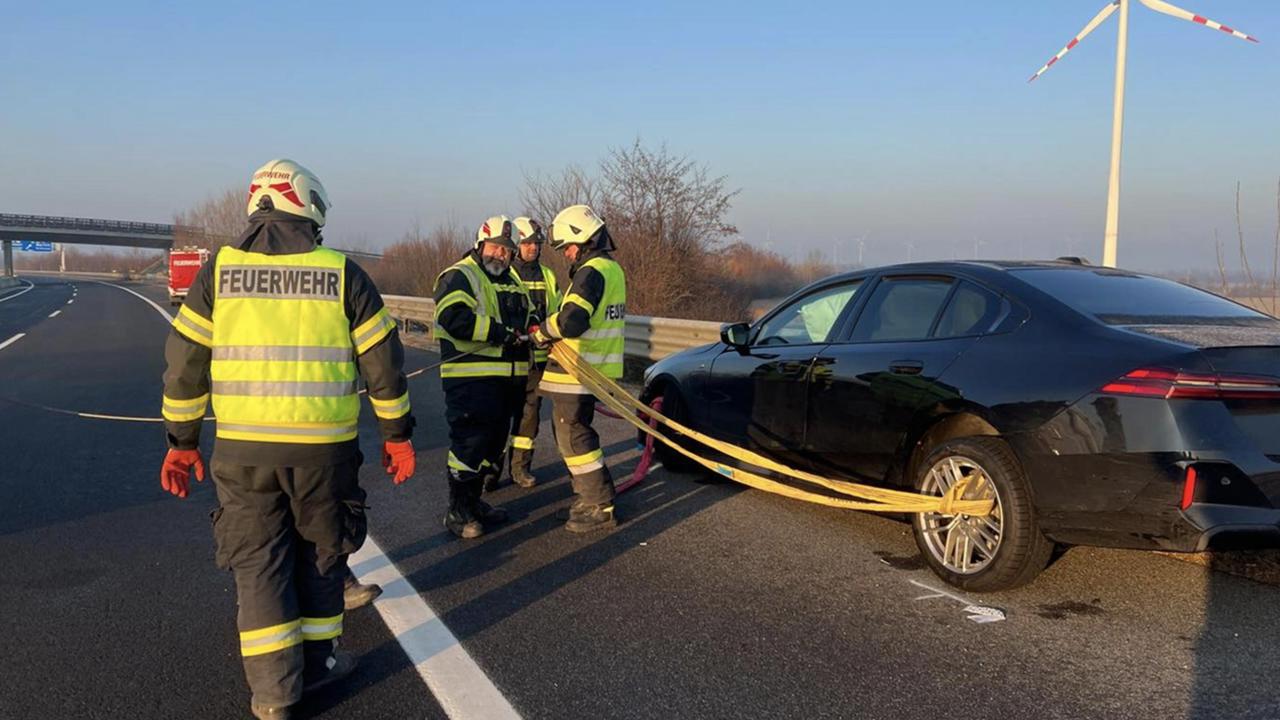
point(736, 335)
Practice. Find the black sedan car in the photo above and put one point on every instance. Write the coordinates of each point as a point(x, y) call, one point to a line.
point(1096, 406)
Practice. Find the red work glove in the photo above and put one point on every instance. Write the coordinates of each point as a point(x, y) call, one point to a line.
point(399, 460)
point(175, 474)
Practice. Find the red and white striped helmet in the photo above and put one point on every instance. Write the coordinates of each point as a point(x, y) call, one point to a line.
point(497, 230)
point(291, 188)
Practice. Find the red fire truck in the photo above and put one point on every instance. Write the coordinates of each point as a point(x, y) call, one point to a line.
point(184, 263)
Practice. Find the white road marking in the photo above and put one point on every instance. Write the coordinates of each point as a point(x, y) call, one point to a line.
point(12, 340)
point(55, 313)
point(70, 301)
point(449, 671)
point(980, 614)
point(167, 317)
point(30, 286)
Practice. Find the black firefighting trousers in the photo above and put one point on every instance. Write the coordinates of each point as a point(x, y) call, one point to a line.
point(481, 414)
point(580, 447)
point(285, 533)
point(527, 427)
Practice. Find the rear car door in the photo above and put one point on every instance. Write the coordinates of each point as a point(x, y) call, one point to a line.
point(885, 369)
point(756, 395)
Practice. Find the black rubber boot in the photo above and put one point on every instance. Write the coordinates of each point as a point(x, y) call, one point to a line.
point(461, 519)
point(337, 666)
point(492, 480)
point(589, 518)
point(521, 461)
point(483, 511)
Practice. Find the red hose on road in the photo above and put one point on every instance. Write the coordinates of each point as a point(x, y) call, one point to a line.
point(646, 457)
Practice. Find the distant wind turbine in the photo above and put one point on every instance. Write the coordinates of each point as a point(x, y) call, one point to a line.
point(1117, 124)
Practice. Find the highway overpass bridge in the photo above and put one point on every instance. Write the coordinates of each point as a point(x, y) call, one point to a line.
point(90, 231)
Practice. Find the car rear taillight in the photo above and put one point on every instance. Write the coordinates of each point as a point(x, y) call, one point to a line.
point(1189, 487)
point(1171, 384)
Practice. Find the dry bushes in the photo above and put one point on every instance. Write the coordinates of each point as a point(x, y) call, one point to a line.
point(410, 265)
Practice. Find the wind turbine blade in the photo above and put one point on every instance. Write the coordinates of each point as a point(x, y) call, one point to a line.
point(1093, 25)
point(1163, 7)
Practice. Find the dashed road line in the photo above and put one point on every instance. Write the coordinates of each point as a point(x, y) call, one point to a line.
point(55, 313)
point(12, 340)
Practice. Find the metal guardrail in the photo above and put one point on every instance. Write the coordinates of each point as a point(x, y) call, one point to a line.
point(647, 338)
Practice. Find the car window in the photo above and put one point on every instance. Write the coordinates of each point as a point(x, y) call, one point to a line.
point(972, 311)
point(901, 309)
point(1119, 297)
point(808, 320)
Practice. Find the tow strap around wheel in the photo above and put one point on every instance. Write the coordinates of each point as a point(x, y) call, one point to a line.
point(857, 496)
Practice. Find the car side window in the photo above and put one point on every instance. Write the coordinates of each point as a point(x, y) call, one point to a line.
point(808, 320)
point(901, 309)
point(972, 311)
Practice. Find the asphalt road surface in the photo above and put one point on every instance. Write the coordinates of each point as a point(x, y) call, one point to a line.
point(709, 601)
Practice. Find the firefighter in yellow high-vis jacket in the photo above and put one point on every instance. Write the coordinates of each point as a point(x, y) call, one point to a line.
point(275, 332)
point(591, 321)
point(482, 320)
point(544, 299)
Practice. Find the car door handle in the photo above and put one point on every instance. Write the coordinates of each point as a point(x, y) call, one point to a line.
point(906, 367)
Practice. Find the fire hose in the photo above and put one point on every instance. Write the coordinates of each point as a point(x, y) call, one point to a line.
point(856, 496)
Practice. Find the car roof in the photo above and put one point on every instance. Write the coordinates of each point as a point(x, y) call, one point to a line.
point(1066, 263)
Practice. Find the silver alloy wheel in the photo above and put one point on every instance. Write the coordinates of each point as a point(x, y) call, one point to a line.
point(964, 544)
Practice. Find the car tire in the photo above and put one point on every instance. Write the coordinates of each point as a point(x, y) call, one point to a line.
point(998, 552)
point(673, 406)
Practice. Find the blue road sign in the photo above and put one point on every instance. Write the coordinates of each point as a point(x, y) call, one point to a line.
point(35, 246)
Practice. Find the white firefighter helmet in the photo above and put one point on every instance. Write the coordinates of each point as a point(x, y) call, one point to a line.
point(574, 225)
point(292, 189)
point(529, 230)
point(497, 230)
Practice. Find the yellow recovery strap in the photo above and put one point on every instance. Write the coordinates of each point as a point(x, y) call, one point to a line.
point(869, 498)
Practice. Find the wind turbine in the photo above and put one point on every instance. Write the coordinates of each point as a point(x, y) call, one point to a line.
point(1117, 123)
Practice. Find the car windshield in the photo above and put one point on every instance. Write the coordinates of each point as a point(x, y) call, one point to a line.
point(1117, 297)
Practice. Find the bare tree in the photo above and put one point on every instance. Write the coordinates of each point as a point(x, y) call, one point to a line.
point(543, 197)
point(410, 265)
point(215, 222)
point(665, 199)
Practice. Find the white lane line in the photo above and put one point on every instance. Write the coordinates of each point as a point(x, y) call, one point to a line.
point(12, 340)
point(449, 671)
point(167, 317)
point(30, 286)
point(55, 313)
point(70, 301)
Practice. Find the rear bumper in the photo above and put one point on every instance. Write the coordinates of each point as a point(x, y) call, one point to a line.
point(1233, 527)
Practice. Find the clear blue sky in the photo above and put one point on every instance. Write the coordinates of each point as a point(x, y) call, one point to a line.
point(905, 122)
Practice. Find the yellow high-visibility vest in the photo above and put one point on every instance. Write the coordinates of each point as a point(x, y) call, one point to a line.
point(482, 359)
point(283, 367)
point(549, 288)
point(603, 344)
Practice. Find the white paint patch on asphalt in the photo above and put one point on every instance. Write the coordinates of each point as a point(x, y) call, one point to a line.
point(30, 286)
point(980, 614)
point(12, 340)
point(167, 317)
point(449, 671)
point(70, 301)
point(55, 313)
